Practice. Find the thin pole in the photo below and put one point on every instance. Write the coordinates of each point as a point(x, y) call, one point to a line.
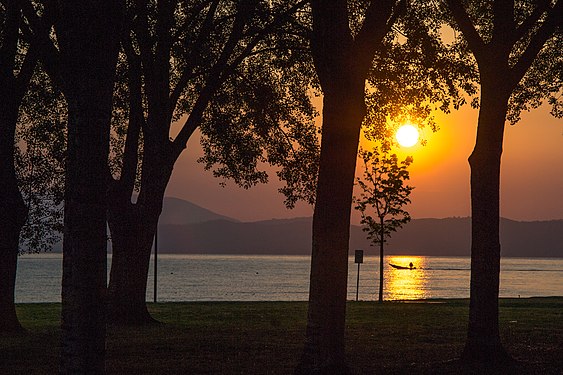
point(358, 283)
point(155, 261)
point(382, 237)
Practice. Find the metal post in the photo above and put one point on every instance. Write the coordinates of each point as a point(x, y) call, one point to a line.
point(358, 283)
point(155, 261)
point(358, 258)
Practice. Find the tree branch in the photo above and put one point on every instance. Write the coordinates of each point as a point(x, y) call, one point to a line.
point(164, 20)
point(531, 20)
point(37, 33)
point(195, 10)
point(26, 71)
point(331, 40)
point(503, 22)
point(141, 29)
point(379, 18)
point(136, 121)
point(187, 74)
point(9, 38)
point(462, 19)
point(554, 20)
point(223, 69)
point(214, 80)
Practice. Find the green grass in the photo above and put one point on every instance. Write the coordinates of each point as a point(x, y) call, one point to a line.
point(267, 338)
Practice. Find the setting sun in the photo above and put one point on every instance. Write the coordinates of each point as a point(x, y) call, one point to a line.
point(407, 135)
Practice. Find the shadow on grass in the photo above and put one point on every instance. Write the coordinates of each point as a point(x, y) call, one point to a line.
point(267, 338)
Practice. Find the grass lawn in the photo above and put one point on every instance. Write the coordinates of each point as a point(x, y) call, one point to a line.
point(267, 338)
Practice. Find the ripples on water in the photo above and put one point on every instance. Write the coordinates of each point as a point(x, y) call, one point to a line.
point(286, 278)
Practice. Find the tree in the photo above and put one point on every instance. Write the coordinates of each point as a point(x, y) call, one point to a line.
point(87, 34)
point(364, 53)
point(383, 190)
point(40, 153)
point(18, 59)
point(233, 70)
point(342, 62)
point(517, 47)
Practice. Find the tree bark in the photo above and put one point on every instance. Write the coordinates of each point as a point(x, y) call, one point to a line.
point(324, 346)
point(483, 339)
point(342, 63)
point(13, 214)
point(132, 234)
point(133, 226)
point(87, 33)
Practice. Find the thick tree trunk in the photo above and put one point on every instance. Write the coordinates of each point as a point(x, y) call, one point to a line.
point(324, 346)
point(133, 227)
point(13, 214)
point(88, 37)
point(483, 339)
point(132, 231)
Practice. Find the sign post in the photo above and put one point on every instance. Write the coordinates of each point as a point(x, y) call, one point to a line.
point(359, 258)
point(155, 262)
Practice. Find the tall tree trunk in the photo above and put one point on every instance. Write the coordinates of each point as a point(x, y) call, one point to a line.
point(133, 226)
point(87, 33)
point(13, 214)
point(483, 339)
point(132, 232)
point(324, 345)
point(342, 62)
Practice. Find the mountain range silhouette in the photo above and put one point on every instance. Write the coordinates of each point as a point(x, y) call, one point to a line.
point(190, 229)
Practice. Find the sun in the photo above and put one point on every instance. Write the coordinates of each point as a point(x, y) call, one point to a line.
point(407, 135)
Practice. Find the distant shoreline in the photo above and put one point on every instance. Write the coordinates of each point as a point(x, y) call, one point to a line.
point(351, 255)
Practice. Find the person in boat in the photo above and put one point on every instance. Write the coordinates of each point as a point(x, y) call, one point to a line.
point(411, 265)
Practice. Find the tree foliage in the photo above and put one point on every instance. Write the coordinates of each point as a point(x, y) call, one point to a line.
point(383, 194)
point(517, 49)
point(529, 33)
point(236, 70)
point(232, 70)
point(415, 72)
point(40, 154)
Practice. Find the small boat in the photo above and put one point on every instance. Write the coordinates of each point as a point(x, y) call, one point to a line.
point(410, 267)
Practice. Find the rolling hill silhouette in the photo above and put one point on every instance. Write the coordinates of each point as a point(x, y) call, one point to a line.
point(177, 211)
point(187, 228)
point(218, 234)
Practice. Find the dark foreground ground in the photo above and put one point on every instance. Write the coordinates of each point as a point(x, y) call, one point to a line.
point(267, 337)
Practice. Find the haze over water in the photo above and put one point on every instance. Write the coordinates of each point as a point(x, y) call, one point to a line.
point(286, 278)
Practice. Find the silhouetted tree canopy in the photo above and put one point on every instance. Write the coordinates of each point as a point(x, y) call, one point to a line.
point(237, 71)
point(517, 49)
point(40, 154)
point(529, 33)
point(383, 194)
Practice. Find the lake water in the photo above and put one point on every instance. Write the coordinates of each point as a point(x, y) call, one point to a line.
point(286, 278)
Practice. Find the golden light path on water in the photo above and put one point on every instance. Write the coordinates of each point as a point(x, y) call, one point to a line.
point(405, 283)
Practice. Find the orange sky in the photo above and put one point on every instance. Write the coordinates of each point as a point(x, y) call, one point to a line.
point(532, 174)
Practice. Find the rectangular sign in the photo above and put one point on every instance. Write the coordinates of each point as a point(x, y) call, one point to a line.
point(359, 255)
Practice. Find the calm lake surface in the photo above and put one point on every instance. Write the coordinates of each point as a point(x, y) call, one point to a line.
point(286, 278)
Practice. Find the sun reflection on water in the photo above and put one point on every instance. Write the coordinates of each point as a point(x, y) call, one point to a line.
point(402, 284)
